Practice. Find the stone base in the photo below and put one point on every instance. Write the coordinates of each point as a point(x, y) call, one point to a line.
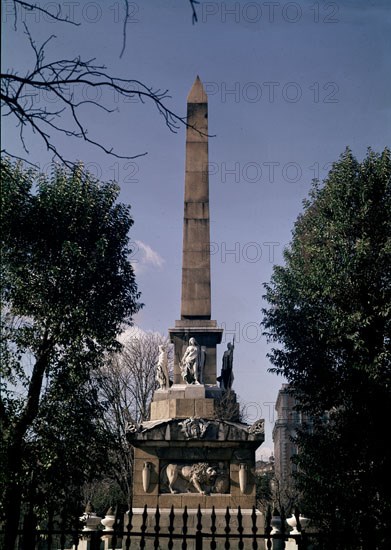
point(182, 408)
point(192, 521)
point(185, 401)
point(193, 500)
point(165, 449)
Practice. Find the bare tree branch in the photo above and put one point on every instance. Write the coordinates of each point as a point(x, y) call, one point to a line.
point(63, 79)
point(124, 28)
point(68, 81)
point(194, 18)
point(21, 97)
point(31, 7)
point(17, 157)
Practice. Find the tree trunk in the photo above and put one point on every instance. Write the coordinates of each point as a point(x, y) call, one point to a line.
point(12, 497)
point(15, 446)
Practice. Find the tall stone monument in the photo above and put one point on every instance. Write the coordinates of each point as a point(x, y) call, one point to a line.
point(194, 450)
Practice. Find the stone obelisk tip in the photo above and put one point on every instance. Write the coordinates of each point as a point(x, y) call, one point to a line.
point(197, 93)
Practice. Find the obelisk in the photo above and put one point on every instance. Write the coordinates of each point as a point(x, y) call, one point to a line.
point(196, 300)
point(195, 321)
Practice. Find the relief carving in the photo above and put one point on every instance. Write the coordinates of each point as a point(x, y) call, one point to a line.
point(132, 428)
point(194, 428)
point(257, 428)
point(199, 477)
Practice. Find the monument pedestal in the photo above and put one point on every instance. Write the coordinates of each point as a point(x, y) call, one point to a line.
point(195, 461)
point(210, 464)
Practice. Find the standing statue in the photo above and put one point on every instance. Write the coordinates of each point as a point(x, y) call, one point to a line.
point(162, 377)
point(192, 363)
point(227, 376)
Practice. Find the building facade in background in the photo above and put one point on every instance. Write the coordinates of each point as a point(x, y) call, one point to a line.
point(285, 427)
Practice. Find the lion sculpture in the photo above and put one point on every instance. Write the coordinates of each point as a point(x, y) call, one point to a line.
point(180, 478)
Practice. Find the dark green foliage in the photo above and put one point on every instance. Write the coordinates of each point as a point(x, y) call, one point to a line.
point(65, 256)
point(263, 490)
point(67, 289)
point(330, 312)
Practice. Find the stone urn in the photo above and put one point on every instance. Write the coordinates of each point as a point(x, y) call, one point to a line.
point(146, 476)
point(304, 522)
point(90, 519)
point(243, 478)
point(108, 520)
point(292, 522)
point(276, 523)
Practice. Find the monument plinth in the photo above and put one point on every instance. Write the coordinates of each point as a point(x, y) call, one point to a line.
point(194, 450)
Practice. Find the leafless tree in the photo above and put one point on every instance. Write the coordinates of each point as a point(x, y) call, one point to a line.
point(64, 80)
point(132, 373)
point(284, 493)
point(229, 408)
point(127, 383)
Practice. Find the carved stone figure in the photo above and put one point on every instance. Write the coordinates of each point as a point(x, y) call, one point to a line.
point(194, 428)
point(162, 376)
point(227, 376)
point(192, 363)
point(185, 478)
point(257, 428)
point(132, 427)
point(221, 484)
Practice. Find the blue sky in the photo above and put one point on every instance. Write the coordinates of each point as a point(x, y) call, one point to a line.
point(290, 85)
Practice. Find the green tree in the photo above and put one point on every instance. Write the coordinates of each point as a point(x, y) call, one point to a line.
point(263, 490)
point(67, 289)
point(329, 311)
